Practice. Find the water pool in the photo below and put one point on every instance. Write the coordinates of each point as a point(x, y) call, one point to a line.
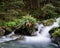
point(17, 44)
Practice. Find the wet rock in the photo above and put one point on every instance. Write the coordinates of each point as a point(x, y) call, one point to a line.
point(21, 31)
point(56, 40)
point(6, 31)
point(26, 31)
point(2, 32)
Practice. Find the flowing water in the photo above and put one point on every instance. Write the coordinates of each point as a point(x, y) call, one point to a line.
point(42, 40)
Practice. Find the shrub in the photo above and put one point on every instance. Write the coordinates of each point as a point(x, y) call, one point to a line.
point(27, 22)
point(24, 19)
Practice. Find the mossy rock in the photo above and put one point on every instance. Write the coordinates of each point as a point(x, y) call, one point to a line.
point(48, 22)
point(55, 32)
point(8, 30)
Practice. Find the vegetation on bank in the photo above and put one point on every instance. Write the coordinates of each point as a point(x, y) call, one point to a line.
point(24, 24)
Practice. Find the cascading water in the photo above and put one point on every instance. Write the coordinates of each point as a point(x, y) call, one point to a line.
point(42, 38)
point(42, 35)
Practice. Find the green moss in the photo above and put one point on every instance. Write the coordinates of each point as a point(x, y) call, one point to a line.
point(10, 23)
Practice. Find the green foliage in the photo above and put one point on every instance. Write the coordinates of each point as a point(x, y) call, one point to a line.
point(24, 19)
point(28, 17)
point(50, 10)
point(36, 13)
point(20, 22)
point(46, 12)
point(11, 8)
point(17, 7)
point(1, 22)
point(48, 6)
point(9, 24)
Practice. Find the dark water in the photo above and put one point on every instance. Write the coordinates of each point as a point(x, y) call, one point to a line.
point(17, 44)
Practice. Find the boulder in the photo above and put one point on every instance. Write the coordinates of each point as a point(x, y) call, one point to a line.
point(21, 31)
point(7, 31)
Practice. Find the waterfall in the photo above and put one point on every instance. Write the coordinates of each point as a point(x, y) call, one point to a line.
point(42, 33)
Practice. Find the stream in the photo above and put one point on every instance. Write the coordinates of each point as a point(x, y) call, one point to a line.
point(42, 40)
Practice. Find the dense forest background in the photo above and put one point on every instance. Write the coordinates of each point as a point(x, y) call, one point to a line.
point(10, 9)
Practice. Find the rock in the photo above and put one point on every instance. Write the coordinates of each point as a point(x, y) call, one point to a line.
point(6, 31)
point(56, 40)
point(21, 31)
point(2, 31)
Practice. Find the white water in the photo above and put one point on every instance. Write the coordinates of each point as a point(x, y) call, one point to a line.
point(42, 35)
